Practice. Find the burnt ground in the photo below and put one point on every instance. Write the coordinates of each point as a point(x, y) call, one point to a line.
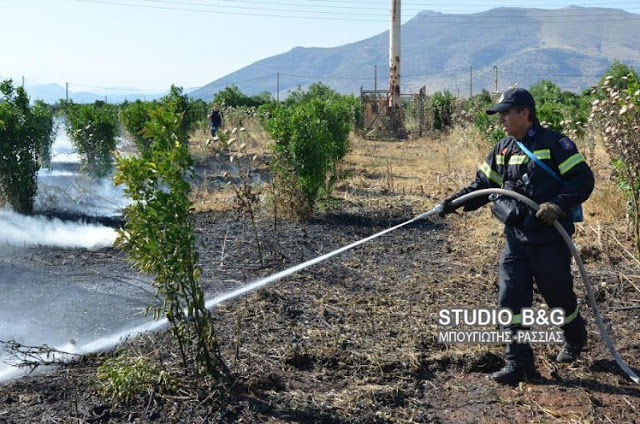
point(351, 340)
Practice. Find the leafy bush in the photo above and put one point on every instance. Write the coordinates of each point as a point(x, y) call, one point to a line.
point(443, 106)
point(311, 138)
point(43, 114)
point(159, 235)
point(25, 131)
point(93, 130)
point(191, 111)
point(122, 378)
point(231, 96)
point(135, 116)
point(320, 91)
point(616, 113)
point(476, 109)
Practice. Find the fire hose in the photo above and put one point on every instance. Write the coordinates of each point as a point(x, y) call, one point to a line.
point(109, 341)
point(437, 209)
point(576, 255)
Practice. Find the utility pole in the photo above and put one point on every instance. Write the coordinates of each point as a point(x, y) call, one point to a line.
point(67, 92)
point(394, 65)
point(495, 77)
point(375, 77)
point(23, 81)
point(278, 87)
point(470, 81)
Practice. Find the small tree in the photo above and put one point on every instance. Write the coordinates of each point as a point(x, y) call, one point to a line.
point(93, 130)
point(616, 112)
point(24, 132)
point(443, 105)
point(43, 113)
point(159, 236)
point(134, 116)
point(311, 138)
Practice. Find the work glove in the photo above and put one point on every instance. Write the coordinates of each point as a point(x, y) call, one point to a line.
point(447, 206)
point(549, 212)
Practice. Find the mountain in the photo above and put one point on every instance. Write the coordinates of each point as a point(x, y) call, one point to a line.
point(52, 93)
point(570, 46)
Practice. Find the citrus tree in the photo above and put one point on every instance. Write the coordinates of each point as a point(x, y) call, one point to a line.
point(311, 138)
point(25, 131)
point(93, 129)
point(159, 236)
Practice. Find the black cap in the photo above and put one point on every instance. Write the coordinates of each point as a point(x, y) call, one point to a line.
point(513, 97)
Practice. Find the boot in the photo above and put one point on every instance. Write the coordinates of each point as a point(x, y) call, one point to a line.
point(572, 348)
point(569, 353)
point(515, 371)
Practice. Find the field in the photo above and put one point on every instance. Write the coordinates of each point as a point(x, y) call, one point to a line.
point(354, 339)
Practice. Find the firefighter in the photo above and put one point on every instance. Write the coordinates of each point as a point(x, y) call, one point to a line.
point(534, 250)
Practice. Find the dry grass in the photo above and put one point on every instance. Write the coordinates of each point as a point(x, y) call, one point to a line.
point(212, 158)
point(425, 171)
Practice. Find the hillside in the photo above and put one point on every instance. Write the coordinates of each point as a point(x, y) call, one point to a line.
point(571, 46)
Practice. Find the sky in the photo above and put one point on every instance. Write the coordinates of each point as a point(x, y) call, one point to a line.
point(111, 46)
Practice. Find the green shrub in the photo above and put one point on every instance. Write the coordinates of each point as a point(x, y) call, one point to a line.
point(443, 106)
point(136, 115)
point(232, 97)
point(488, 125)
point(25, 131)
point(123, 378)
point(43, 114)
point(311, 138)
point(159, 236)
point(133, 117)
point(93, 130)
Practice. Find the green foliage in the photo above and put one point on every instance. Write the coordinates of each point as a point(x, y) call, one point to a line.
point(443, 106)
point(311, 138)
point(93, 130)
point(620, 76)
point(123, 378)
point(231, 96)
point(43, 113)
point(320, 91)
point(133, 117)
point(159, 236)
point(616, 113)
point(489, 126)
point(561, 111)
point(24, 132)
point(545, 91)
point(190, 110)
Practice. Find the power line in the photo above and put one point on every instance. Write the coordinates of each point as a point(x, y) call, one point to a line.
point(335, 4)
point(321, 15)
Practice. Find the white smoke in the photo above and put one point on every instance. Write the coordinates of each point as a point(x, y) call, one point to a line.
point(63, 188)
point(25, 231)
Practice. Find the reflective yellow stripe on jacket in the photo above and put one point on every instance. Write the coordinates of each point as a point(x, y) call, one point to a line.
point(570, 163)
point(491, 174)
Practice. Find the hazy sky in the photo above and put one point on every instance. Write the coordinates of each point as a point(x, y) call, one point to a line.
point(150, 44)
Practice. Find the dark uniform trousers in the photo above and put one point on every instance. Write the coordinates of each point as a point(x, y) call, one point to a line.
point(549, 266)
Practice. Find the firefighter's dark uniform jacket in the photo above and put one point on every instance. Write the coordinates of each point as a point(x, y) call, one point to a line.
point(533, 249)
point(509, 167)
